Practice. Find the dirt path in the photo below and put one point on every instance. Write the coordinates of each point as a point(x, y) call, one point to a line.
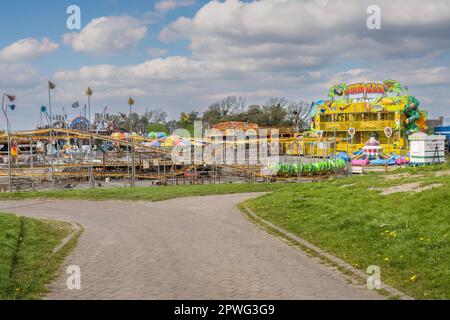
point(187, 248)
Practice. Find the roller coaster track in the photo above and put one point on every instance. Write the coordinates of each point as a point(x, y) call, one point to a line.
point(76, 174)
point(44, 134)
point(140, 145)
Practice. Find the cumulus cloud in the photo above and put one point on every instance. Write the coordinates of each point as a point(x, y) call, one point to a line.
point(166, 5)
point(314, 27)
point(170, 68)
point(15, 63)
point(18, 76)
point(27, 49)
point(107, 35)
point(312, 44)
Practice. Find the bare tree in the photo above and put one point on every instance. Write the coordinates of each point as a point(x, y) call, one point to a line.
point(226, 109)
point(155, 116)
point(231, 105)
point(274, 112)
point(298, 114)
point(277, 102)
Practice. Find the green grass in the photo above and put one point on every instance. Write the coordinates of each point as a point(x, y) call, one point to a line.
point(27, 263)
point(145, 193)
point(406, 234)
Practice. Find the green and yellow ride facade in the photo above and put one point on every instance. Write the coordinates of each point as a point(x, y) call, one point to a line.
point(353, 113)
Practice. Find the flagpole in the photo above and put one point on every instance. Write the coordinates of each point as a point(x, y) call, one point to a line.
point(89, 93)
point(5, 112)
point(50, 104)
point(52, 165)
point(133, 167)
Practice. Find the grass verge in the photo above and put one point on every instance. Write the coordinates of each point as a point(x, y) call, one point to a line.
point(27, 261)
point(405, 233)
point(145, 193)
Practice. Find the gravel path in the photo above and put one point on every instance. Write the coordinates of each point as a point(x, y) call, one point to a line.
point(186, 248)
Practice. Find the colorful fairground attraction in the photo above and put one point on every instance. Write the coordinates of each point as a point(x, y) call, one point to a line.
point(367, 123)
point(364, 124)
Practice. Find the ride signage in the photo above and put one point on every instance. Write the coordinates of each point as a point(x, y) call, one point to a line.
point(364, 88)
point(388, 132)
point(351, 132)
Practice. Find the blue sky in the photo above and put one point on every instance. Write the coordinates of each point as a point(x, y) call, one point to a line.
point(182, 55)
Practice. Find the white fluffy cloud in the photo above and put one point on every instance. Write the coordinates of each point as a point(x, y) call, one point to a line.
point(166, 5)
point(107, 35)
point(309, 43)
point(18, 73)
point(27, 49)
point(18, 76)
point(313, 27)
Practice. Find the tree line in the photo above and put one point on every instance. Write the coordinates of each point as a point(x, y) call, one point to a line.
point(276, 112)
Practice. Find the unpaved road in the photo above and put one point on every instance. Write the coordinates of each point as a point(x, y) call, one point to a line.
point(186, 248)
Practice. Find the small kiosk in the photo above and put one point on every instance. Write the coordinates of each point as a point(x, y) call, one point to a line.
point(426, 149)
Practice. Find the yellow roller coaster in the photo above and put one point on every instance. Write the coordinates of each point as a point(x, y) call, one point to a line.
point(68, 160)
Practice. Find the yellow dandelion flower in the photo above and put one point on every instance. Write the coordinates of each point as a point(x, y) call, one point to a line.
point(413, 278)
point(393, 234)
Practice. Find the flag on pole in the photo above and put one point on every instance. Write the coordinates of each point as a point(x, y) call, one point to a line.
point(130, 101)
point(75, 105)
point(51, 85)
point(11, 98)
point(15, 150)
point(184, 117)
point(89, 92)
point(122, 115)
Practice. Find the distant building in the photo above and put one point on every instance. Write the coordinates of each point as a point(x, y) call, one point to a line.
point(433, 123)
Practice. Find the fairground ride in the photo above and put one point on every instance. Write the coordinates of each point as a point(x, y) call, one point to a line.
point(354, 113)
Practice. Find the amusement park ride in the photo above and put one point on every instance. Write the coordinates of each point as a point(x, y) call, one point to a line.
point(358, 113)
point(364, 123)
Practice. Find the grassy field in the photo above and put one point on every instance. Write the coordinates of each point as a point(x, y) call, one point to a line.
point(364, 220)
point(145, 193)
point(26, 260)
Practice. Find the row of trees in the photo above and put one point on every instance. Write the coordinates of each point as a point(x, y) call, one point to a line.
point(275, 112)
point(141, 123)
